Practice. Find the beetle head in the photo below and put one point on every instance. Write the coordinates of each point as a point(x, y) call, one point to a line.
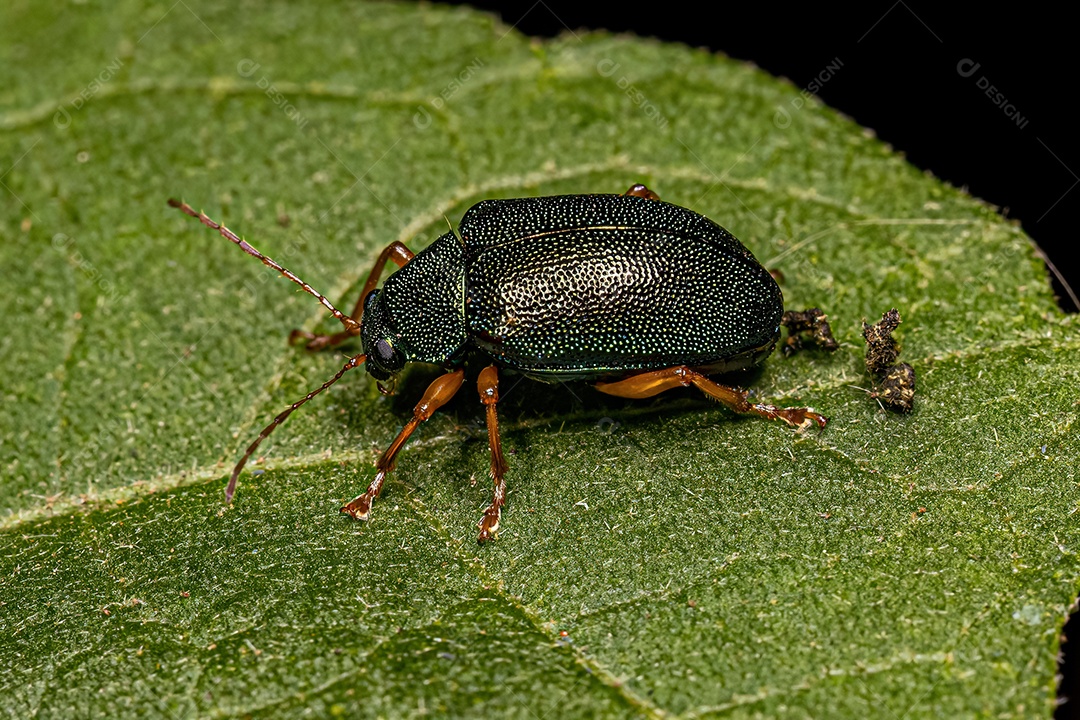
point(385, 358)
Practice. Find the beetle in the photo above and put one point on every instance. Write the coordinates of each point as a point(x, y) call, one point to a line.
point(631, 293)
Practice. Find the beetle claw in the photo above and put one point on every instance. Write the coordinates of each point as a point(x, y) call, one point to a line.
point(803, 419)
point(359, 508)
point(810, 417)
point(489, 525)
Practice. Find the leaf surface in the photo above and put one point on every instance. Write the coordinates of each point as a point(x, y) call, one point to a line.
point(657, 558)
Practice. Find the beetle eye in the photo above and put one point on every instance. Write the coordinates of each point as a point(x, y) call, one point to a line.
point(384, 352)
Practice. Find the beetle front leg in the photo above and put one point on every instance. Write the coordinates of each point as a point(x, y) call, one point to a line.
point(655, 382)
point(437, 395)
point(488, 385)
point(395, 251)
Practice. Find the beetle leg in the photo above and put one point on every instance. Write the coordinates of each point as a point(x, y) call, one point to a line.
point(437, 395)
point(639, 190)
point(655, 382)
point(395, 251)
point(488, 385)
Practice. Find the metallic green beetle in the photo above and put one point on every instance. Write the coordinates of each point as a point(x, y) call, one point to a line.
point(634, 294)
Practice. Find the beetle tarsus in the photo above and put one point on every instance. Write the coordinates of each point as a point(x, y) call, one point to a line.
point(799, 418)
point(359, 508)
point(489, 524)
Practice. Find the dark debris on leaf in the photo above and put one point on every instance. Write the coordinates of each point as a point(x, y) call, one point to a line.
point(898, 387)
point(896, 381)
point(809, 325)
point(881, 347)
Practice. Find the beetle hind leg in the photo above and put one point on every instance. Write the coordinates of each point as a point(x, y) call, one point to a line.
point(654, 382)
point(395, 251)
point(437, 395)
point(488, 385)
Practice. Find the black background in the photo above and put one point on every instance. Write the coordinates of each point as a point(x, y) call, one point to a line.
point(900, 78)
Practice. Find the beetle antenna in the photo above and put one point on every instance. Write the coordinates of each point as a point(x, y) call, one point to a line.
point(228, 234)
point(231, 488)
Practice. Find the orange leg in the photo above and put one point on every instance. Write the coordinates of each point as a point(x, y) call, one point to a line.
point(640, 190)
point(395, 251)
point(655, 382)
point(437, 395)
point(488, 385)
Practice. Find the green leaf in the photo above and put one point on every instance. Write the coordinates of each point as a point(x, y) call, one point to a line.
point(657, 558)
